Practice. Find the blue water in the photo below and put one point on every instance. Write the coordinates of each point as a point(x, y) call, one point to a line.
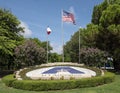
point(64, 68)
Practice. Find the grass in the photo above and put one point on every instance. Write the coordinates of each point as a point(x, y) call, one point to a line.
point(108, 88)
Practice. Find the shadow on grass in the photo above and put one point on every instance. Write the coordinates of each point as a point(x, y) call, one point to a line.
point(5, 72)
point(114, 71)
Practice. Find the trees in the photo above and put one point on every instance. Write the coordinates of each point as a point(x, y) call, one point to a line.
point(71, 49)
point(110, 16)
point(87, 39)
point(108, 38)
point(9, 36)
point(88, 35)
point(54, 57)
point(103, 32)
point(97, 12)
point(108, 21)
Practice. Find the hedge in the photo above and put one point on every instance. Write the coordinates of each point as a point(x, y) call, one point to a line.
point(39, 85)
point(8, 80)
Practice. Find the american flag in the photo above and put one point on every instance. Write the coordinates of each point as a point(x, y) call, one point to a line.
point(68, 17)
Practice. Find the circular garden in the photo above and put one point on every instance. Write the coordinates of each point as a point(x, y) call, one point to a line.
point(57, 76)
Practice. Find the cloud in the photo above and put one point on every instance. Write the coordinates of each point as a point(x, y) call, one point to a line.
point(27, 32)
point(56, 48)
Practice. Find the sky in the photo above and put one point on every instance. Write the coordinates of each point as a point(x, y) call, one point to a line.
point(36, 15)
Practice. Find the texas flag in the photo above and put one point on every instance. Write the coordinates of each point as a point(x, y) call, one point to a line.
point(48, 30)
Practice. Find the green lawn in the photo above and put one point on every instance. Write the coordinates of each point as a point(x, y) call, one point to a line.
point(108, 88)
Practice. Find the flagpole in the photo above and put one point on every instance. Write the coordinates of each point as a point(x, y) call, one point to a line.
point(67, 17)
point(48, 32)
point(47, 48)
point(79, 45)
point(62, 36)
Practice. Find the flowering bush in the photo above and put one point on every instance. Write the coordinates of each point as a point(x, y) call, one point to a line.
point(93, 56)
point(29, 54)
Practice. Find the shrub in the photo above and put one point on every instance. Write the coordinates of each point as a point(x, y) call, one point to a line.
point(38, 85)
point(95, 81)
point(29, 54)
point(8, 80)
point(108, 77)
point(93, 56)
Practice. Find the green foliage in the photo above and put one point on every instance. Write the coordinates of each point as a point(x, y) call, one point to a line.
point(88, 35)
point(93, 56)
point(108, 38)
point(54, 57)
point(41, 44)
point(29, 54)
point(103, 33)
point(107, 17)
point(116, 61)
point(97, 12)
point(8, 80)
point(110, 16)
point(87, 39)
point(71, 49)
point(9, 22)
point(114, 2)
point(38, 85)
point(107, 88)
point(9, 37)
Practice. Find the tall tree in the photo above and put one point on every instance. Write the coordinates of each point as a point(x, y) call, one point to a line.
point(108, 38)
point(9, 36)
point(88, 35)
point(97, 11)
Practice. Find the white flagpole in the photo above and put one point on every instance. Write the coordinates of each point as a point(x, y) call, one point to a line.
point(47, 48)
point(79, 45)
point(62, 36)
point(48, 32)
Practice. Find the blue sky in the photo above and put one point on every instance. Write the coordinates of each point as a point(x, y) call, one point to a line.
point(36, 15)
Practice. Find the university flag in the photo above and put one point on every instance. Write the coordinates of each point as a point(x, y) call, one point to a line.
point(48, 30)
point(68, 17)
